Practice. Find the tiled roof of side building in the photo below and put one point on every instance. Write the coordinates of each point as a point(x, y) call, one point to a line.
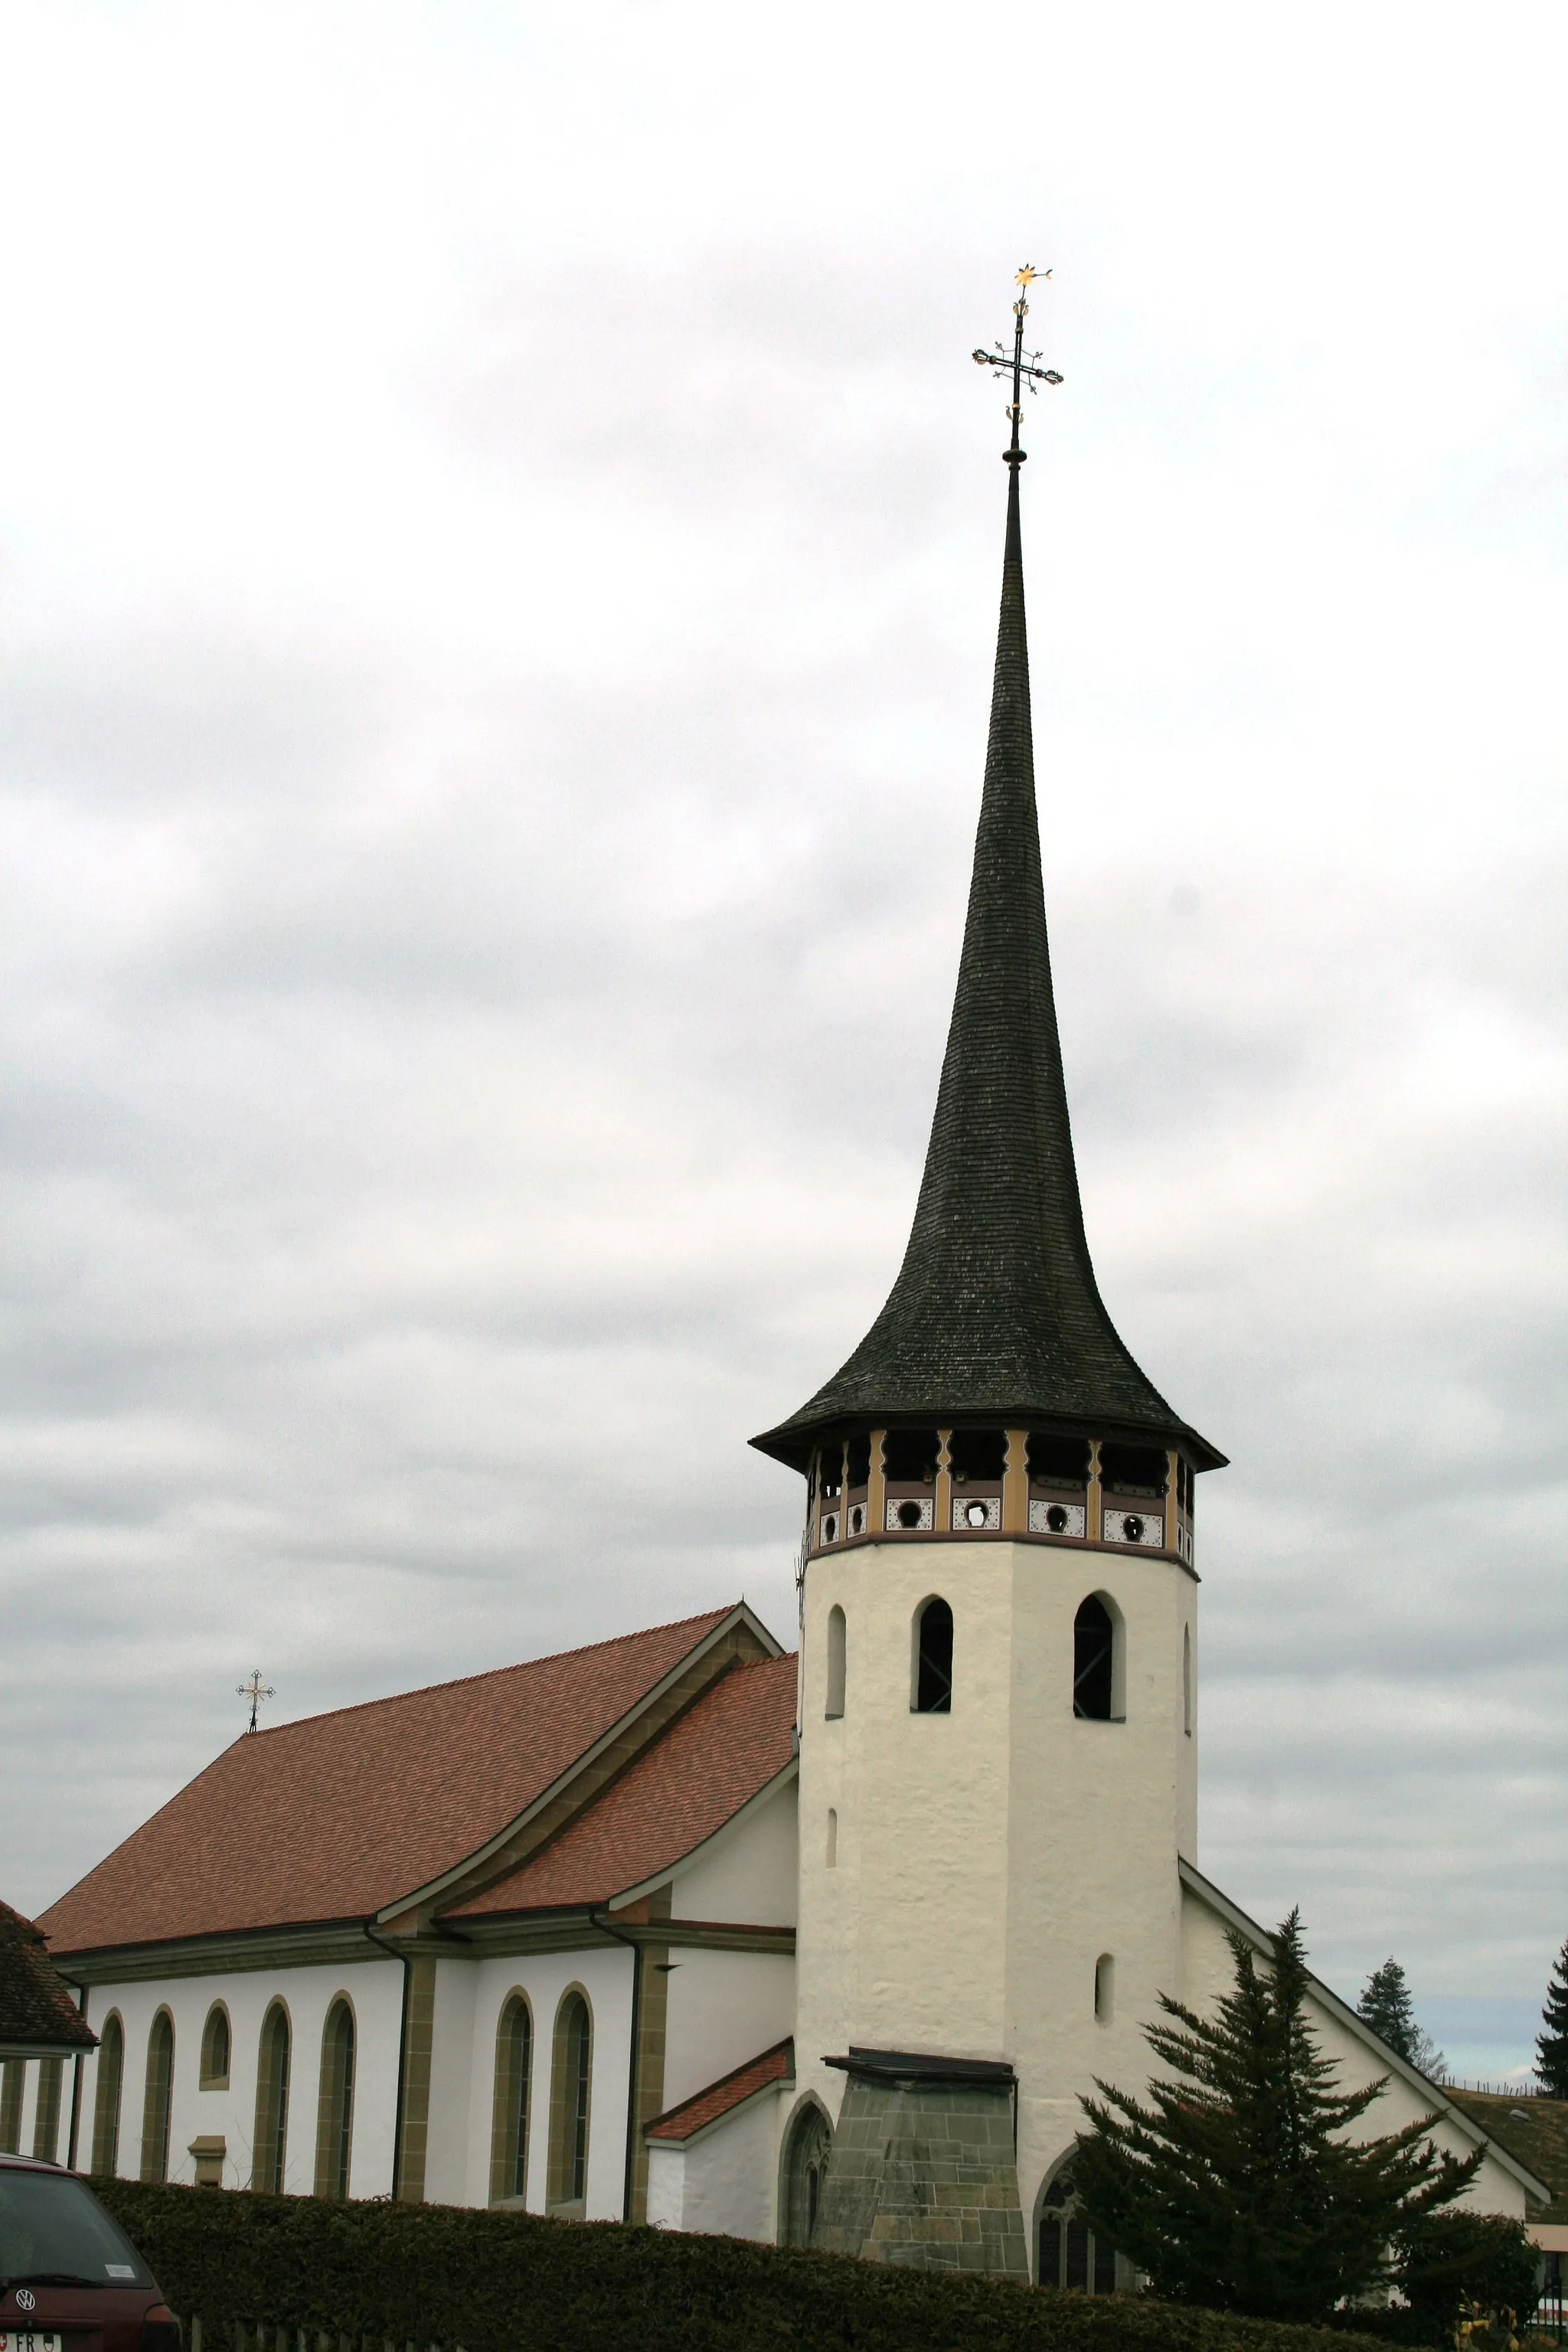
point(713, 1760)
point(1533, 2130)
point(36, 2010)
point(335, 1816)
point(720, 2098)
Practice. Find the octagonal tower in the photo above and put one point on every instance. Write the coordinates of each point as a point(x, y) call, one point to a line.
point(997, 1729)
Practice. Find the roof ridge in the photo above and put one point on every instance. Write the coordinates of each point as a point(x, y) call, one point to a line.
point(486, 1675)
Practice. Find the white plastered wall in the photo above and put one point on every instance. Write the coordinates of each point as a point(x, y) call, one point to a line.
point(374, 1987)
point(725, 2180)
point(462, 2074)
point(986, 1858)
point(747, 1874)
point(723, 2009)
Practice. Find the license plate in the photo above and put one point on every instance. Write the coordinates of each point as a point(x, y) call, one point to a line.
point(30, 2339)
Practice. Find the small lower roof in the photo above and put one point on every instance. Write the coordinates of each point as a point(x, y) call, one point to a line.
point(38, 2019)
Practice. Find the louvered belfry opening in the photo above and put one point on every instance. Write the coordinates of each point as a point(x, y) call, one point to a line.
point(994, 1335)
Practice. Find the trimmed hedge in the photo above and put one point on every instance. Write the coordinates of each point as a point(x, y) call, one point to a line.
point(427, 2274)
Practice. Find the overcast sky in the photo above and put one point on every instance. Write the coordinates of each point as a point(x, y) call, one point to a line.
point(499, 552)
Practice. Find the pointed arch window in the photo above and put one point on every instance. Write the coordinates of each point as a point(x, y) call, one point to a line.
point(217, 2042)
point(509, 2125)
point(1070, 2254)
point(157, 2098)
point(1097, 1664)
point(270, 2160)
point(933, 1659)
point(570, 2088)
point(804, 2167)
point(106, 2095)
point(335, 2110)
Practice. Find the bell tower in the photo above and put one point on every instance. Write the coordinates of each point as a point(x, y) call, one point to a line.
point(999, 1625)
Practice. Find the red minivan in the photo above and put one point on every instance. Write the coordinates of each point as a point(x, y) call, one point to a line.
point(70, 2281)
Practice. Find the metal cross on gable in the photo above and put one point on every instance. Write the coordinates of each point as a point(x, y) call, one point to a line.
point(1023, 368)
point(255, 1690)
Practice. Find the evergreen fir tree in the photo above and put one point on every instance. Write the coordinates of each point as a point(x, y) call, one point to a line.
point(1551, 2043)
point(1386, 2005)
point(1233, 2185)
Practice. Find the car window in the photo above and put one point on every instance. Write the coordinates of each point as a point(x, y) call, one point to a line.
point(50, 2222)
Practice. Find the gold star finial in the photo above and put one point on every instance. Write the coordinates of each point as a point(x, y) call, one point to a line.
point(1027, 275)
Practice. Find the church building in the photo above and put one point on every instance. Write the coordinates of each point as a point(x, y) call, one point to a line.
point(820, 1948)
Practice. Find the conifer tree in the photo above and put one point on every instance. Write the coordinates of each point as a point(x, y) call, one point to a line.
point(1233, 2185)
point(1551, 2043)
point(1386, 2005)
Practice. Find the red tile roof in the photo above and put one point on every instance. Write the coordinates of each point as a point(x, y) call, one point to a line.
point(36, 2012)
point(731, 2091)
point(336, 1816)
point(687, 1784)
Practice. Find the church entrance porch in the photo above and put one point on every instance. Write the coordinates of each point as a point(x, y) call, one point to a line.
point(921, 2170)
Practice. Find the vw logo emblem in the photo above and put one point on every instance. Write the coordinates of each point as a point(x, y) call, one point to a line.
point(25, 2298)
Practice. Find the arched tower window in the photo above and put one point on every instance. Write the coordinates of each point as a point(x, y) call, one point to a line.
point(509, 2125)
point(806, 2145)
point(836, 1636)
point(1097, 1675)
point(571, 2083)
point(106, 2095)
point(335, 2106)
point(933, 1659)
point(156, 2101)
point(216, 2044)
point(270, 2146)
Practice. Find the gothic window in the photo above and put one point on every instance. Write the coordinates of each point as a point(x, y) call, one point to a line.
point(804, 2167)
point(157, 2097)
point(1070, 2253)
point(1095, 1678)
point(270, 2146)
point(835, 1661)
point(933, 1659)
point(335, 2105)
point(571, 2077)
point(508, 2127)
point(106, 2095)
point(217, 2042)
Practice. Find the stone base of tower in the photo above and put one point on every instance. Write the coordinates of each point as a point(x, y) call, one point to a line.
point(923, 2170)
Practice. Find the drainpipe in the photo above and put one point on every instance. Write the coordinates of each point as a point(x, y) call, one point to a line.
point(597, 1919)
point(76, 2089)
point(392, 1953)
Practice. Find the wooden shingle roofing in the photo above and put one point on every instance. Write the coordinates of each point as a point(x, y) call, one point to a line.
point(337, 1817)
point(995, 1313)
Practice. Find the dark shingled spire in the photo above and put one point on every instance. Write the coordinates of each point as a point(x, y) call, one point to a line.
point(995, 1313)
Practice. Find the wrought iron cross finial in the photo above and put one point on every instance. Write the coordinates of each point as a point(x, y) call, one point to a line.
point(255, 1690)
point(1023, 367)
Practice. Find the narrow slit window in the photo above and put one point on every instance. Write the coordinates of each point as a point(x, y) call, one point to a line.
point(836, 1659)
point(1105, 1987)
point(832, 1837)
point(335, 2117)
point(514, 2066)
point(1187, 1680)
point(933, 1659)
point(106, 2096)
point(1093, 1661)
point(270, 2147)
